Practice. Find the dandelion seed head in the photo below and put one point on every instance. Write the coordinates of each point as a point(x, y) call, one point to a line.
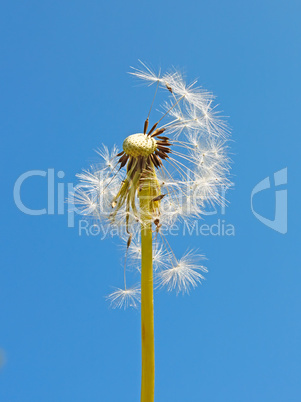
point(180, 161)
point(184, 159)
point(139, 145)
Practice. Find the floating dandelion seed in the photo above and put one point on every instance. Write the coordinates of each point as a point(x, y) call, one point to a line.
point(125, 298)
point(169, 172)
point(184, 274)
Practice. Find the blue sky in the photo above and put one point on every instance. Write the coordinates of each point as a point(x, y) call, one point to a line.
point(64, 91)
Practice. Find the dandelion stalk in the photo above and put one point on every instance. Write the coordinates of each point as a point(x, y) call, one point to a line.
point(147, 303)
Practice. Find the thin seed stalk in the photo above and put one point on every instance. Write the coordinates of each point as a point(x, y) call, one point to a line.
point(147, 299)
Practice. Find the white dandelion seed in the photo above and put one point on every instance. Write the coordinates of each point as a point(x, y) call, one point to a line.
point(146, 74)
point(124, 298)
point(184, 274)
point(161, 256)
point(83, 201)
point(93, 196)
point(108, 156)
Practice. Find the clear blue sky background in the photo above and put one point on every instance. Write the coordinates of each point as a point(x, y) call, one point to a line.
point(64, 91)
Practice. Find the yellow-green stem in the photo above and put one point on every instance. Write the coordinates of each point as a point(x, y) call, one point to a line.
point(147, 300)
